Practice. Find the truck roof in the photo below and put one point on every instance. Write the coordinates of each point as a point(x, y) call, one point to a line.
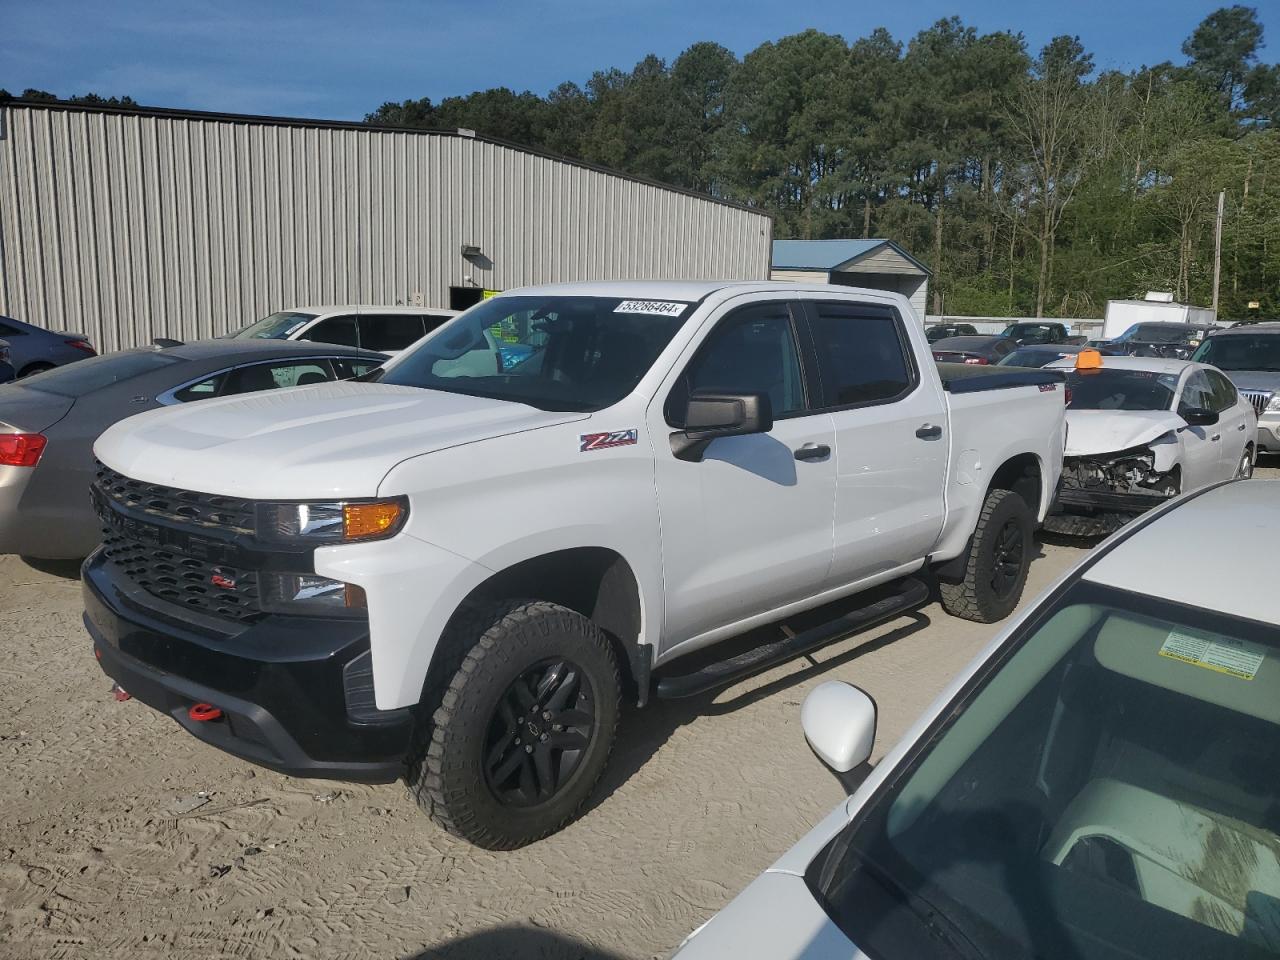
point(686, 290)
point(1215, 550)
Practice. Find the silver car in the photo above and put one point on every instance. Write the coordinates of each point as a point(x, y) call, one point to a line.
point(1099, 784)
point(33, 349)
point(1250, 357)
point(48, 423)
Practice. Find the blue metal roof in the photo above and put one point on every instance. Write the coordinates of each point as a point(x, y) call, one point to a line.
point(829, 254)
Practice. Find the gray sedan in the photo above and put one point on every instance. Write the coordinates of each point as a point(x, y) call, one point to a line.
point(34, 349)
point(49, 422)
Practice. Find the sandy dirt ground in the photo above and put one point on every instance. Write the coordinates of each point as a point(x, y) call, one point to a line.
point(122, 836)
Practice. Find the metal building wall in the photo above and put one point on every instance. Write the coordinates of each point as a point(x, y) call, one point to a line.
point(131, 226)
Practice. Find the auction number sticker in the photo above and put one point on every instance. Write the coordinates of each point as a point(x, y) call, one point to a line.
point(1236, 658)
point(661, 308)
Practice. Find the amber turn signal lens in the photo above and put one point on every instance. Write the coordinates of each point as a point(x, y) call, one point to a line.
point(354, 597)
point(361, 520)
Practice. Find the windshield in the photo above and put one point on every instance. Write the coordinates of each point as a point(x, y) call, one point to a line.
point(1032, 358)
point(1110, 791)
point(94, 373)
point(278, 326)
point(555, 353)
point(1240, 351)
point(1121, 390)
point(1147, 333)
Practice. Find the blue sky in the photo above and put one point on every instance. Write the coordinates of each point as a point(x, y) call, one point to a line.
point(339, 60)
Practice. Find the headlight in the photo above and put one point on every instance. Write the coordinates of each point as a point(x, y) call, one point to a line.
point(309, 593)
point(1274, 405)
point(331, 522)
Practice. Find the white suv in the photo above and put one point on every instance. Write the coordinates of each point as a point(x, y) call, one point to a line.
point(380, 329)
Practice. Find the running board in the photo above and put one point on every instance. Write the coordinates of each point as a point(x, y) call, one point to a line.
point(908, 595)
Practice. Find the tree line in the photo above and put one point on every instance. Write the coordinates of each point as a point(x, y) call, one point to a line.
point(1030, 182)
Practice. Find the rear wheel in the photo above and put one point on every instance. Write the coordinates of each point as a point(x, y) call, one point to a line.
point(996, 570)
point(33, 368)
point(524, 727)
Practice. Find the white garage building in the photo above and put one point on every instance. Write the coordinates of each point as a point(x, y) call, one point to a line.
point(130, 224)
point(880, 264)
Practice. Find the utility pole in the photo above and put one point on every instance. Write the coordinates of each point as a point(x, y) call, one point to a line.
point(1217, 252)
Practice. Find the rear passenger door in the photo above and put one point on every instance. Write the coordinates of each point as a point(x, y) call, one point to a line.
point(891, 438)
point(389, 332)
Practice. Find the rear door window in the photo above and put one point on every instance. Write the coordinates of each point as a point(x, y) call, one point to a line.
point(864, 353)
point(346, 368)
point(204, 390)
point(273, 376)
point(1197, 394)
point(390, 331)
point(1224, 391)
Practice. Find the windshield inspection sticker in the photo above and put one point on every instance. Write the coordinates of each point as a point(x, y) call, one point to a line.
point(605, 441)
point(1236, 658)
point(661, 308)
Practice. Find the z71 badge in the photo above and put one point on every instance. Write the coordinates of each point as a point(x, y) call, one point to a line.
point(603, 441)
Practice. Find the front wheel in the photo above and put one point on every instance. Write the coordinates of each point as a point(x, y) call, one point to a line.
point(524, 728)
point(996, 570)
point(1245, 469)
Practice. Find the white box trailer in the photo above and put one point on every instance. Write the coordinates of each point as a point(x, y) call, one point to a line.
point(1155, 308)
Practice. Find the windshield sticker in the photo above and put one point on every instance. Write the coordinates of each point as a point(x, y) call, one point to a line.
point(1236, 658)
point(296, 327)
point(661, 308)
point(605, 441)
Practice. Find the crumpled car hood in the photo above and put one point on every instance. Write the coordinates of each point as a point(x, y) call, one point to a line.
point(1092, 432)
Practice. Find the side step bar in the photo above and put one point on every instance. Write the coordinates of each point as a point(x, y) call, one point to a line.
point(908, 595)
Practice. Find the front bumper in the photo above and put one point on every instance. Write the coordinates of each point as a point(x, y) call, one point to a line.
point(296, 693)
point(1269, 432)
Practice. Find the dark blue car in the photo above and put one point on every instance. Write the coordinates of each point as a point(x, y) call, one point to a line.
point(6, 368)
point(33, 349)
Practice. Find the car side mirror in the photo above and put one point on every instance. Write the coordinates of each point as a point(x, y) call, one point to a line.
point(1199, 417)
point(839, 722)
point(711, 415)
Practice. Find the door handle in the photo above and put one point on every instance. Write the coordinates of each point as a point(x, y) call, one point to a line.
point(813, 451)
point(1216, 437)
point(1240, 427)
point(929, 431)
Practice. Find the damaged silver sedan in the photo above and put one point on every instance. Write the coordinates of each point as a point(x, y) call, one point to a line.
point(1141, 430)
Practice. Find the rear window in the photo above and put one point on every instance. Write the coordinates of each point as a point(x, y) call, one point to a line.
point(85, 376)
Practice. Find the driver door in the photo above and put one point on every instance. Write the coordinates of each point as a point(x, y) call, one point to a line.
point(750, 527)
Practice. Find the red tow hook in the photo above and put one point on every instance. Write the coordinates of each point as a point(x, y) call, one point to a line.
point(203, 712)
point(120, 693)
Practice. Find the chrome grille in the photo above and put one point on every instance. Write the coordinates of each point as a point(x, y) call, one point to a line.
point(186, 581)
point(1259, 399)
point(186, 507)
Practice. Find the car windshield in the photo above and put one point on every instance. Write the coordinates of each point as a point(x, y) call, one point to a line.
point(1121, 390)
point(1149, 333)
point(551, 352)
point(1240, 351)
point(94, 373)
point(278, 326)
point(1108, 791)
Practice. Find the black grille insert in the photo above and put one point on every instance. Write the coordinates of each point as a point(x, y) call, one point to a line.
point(186, 507)
point(214, 589)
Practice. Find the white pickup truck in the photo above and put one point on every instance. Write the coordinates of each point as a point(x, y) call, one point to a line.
point(455, 572)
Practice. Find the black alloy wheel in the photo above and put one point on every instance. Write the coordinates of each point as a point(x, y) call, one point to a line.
point(539, 733)
point(1006, 561)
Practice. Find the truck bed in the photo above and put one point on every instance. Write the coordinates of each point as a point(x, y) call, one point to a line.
point(978, 378)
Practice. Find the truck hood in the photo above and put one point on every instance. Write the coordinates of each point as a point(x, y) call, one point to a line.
point(1092, 432)
point(327, 441)
point(1254, 379)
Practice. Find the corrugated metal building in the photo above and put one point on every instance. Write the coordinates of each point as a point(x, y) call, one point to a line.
point(133, 224)
point(880, 264)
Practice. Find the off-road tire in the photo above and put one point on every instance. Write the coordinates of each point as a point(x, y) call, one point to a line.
point(974, 597)
point(492, 646)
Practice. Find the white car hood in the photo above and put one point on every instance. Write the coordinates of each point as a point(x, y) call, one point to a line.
point(328, 440)
point(1091, 432)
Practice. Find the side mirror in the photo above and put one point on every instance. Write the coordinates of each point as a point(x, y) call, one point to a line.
point(839, 721)
point(712, 415)
point(1199, 417)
